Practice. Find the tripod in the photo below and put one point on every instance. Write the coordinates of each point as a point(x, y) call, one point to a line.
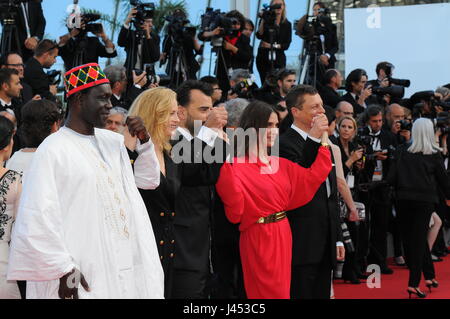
point(310, 63)
point(10, 37)
point(178, 66)
point(136, 42)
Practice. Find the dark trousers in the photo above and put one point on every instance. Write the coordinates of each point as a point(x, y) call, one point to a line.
point(351, 266)
point(189, 284)
point(379, 224)
point(264, 64)
point(415, 219)
point(394, 225)
point(229, 282)
point(312, 281)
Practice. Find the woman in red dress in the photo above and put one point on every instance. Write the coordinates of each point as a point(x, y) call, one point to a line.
point(256, 190)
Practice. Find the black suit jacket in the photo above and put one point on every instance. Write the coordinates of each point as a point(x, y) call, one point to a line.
point(315, 226)
point(150, 47)
point(36, 22)
point(126, 100)
point(35, 76)
point(358, 109)
point(94, 50)
point(329, 96)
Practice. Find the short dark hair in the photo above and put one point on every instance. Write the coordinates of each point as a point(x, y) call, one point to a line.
point(6, 132)
point(184, 91)
point(371, 111)
point(383, 66)
point(295, 97)
point(6, 74)
point(248, 21)
point(37, 119)
point(329, 74)
point(4, 58)
point(354, 77)
point(45, 46)
point(210, 80)
point(320, 4)
point(284, 73)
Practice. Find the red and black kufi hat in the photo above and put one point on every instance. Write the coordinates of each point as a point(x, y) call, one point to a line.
point(83, 77)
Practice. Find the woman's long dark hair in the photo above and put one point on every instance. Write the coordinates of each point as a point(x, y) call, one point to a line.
point(255, 116)
point(6, 132)
point(37, 120)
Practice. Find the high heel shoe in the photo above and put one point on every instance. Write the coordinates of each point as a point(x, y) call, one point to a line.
point(416, 292)
point(433, 284)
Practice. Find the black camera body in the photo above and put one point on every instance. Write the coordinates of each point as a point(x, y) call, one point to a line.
point(179, 28)
point(405, 125)
point(244, 89)
point(268, 14)
point(213, 19)
point(87, 18)
point(151, 73)
point(144, 11)
point(54, 77)
point(401, 82)
point(395, 91)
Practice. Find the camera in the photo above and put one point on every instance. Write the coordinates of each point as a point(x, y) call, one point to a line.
point(268, 14)
point(392, 81)
point(405, 125)
point(151, 74)
point(92, 27)
point(54, 77)
point(213, 19)
point(179, 27)
point(347, 239)
point(395, 91)
point(144, 11)
point(244, 89)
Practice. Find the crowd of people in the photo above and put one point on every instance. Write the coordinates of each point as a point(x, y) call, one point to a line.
point(135, 188)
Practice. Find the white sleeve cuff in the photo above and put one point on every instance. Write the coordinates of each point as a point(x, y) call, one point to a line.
point(314, 139)
point(138, 86)
point(207, 135)
point(328, 55)
point(110, 50)
point(146, 166)
point(126, 26)
point(339, 244)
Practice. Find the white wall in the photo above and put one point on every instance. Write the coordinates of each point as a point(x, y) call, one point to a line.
point(413, 38)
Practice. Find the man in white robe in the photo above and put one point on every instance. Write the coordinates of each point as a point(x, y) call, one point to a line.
point(82, 229)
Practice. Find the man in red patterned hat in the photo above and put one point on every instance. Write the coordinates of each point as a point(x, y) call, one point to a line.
point(82, 229)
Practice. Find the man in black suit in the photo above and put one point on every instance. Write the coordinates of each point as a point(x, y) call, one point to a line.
point(375, 172)
point(13, 60)
point(34, 75)
point(142, 46)
point(77, 48)
point(316, 233)
point(195, 204)
point(30, 22)
point(357, 92)
point(332, 82)
point(10, 89)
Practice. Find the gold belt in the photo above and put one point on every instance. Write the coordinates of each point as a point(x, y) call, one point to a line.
point(273, 218)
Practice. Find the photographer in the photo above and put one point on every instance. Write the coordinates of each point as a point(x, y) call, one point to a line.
point(396, 123)
point(357, 90)
point(417, 174)
point(77, 48)
point(30, 23)
point(44, 57)
point(378, 155)
point(142, 44)
point(321, 39)
point(235, 52)
point(180, 46)
point(275, 33)
point(331, 83)
point(241, 85)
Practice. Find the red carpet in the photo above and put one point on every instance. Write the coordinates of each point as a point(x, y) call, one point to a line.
point(394, 286)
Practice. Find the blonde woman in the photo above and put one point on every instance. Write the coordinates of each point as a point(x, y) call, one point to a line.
point(158, 108)
point(271, 50)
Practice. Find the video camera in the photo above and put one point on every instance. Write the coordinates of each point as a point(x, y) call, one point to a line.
point(179, 27)
point(395, 91)
point(312, 27)
point(268, 14)
point(213, 19)
point(144, 11)
point(75, 21)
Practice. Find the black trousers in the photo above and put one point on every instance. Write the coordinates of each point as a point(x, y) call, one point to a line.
point(264, 64)
point(415, 219)
point(189, 284)
point(379, 225)
point(394, 229)
point(312, 281)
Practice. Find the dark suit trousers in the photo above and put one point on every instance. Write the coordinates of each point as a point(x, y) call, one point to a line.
point(189, 284)
point(415, 219)
point(312, 281)
point(379, 213)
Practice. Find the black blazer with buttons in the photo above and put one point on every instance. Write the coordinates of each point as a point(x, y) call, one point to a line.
point(315, 226)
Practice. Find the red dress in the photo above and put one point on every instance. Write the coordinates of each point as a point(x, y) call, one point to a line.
point(248, 194)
